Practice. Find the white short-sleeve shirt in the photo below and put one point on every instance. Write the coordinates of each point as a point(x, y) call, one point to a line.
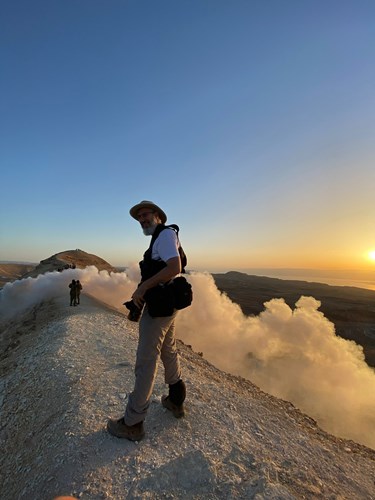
point(165, 246)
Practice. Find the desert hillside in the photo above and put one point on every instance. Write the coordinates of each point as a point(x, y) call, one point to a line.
point(64, 370)
point(351, 309)
point(67, 259)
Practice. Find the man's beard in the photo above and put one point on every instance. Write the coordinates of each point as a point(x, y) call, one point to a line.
point(149, 231)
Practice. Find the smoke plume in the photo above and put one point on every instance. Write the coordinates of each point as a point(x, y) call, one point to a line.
point(293, 354)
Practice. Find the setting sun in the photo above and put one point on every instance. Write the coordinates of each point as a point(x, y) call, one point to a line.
point(371, 255)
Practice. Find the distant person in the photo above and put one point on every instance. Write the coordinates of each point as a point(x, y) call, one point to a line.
point(161, 263)
point(78, 291)
point(73, 294)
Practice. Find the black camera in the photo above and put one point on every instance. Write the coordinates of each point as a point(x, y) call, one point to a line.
point(134, 311)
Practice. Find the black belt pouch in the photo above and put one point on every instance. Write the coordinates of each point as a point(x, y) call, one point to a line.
point(160, 301)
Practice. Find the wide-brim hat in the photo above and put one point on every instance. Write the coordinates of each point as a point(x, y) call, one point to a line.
point(148, 204)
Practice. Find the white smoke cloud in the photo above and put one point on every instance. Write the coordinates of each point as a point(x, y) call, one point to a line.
point(292, 354)
point(113, 289)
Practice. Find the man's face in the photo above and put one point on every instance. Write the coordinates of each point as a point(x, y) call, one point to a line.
point(148, 220)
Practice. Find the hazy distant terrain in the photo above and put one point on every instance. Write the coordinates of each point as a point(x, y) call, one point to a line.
point(13, 271)
point(351, 309)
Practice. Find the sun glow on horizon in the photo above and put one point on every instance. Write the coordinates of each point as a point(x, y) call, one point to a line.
point(371, 255)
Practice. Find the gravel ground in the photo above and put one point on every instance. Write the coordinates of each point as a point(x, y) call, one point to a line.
point(65, 370)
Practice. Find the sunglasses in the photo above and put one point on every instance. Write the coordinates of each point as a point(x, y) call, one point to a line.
point(144, 214)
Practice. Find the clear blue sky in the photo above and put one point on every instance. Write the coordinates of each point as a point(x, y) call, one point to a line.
point(250, 122)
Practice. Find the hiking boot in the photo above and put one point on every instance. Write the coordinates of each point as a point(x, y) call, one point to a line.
point(119, 429)
point(177, 410)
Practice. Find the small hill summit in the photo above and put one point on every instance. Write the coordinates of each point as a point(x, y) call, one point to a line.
point(69, 259)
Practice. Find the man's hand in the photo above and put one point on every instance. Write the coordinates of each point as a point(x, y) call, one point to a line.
point(138, 296)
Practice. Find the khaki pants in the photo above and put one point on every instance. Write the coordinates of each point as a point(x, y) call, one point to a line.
point(156, 340)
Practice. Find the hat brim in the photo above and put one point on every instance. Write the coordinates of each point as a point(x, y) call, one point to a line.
point(148, 204)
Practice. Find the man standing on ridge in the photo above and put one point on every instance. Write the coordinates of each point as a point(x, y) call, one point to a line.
point(73, 296)
point(78, 291)
point(156, 334)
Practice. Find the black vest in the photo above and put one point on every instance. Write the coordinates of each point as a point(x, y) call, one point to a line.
point(150, 267)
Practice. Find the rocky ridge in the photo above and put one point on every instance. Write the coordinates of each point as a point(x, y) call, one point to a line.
point(72, 368)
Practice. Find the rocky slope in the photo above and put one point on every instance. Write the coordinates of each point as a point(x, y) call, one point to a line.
point(68, 369)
